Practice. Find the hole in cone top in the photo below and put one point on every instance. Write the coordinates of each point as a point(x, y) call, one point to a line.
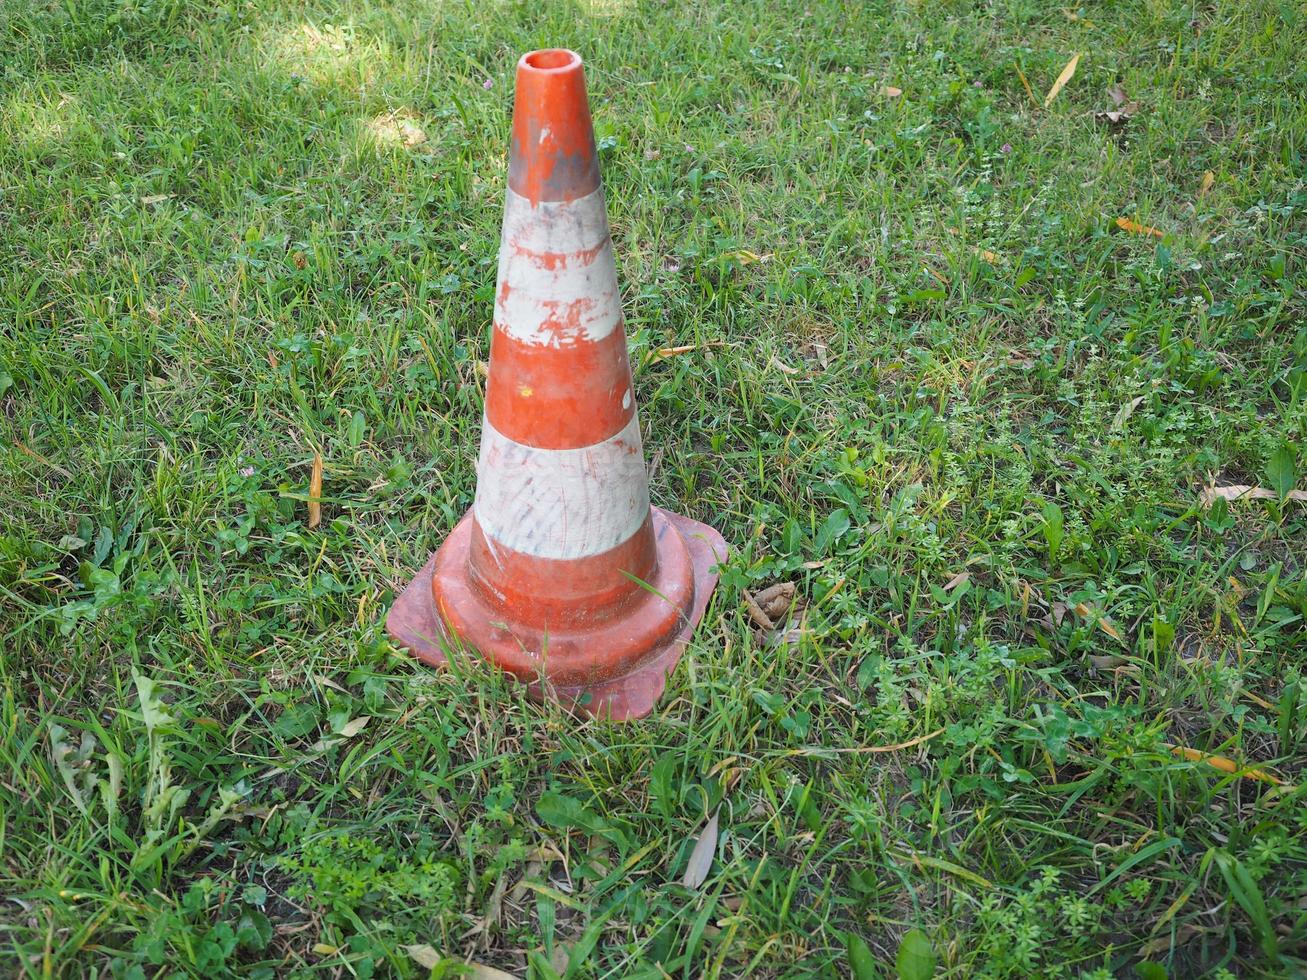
point(553, 154)
point(551, 58)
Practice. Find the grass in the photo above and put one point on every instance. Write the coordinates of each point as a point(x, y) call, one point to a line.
point(930, 382)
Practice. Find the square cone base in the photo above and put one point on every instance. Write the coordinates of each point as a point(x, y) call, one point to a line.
point(413, 625)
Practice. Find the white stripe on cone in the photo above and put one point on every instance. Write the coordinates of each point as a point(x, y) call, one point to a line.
point(555, 226)
point(561, 503)
point(557, 275)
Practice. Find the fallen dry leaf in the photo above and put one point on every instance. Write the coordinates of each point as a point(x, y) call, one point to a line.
point(423, 955)
point(756, 612)
point(791, 637)
point(775, 600)
point(315, 492)
point(352, 728)
point(1106, 662)
point(1125, 411)
point(701, 858)
point(479, 971)
point(911, 743)
point(1135, 228)
point(1107, 627)
point(1124, 107)
point(1062, 79)
point(1225, 765)
point(26, 451)
point(1117, 116)
point(1209, 179)
point(559, 957)
point(1239, 491)
point(957, 580)
point(665, 352)
point(530, 873)
point(1161, 944)
point(1085, 611)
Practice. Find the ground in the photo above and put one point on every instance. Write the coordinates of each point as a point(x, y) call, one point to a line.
point(954, 355)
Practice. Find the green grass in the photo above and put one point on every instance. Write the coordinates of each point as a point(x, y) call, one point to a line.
point(234, 235)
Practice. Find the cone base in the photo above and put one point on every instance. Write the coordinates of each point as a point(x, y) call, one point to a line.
point(414, 625)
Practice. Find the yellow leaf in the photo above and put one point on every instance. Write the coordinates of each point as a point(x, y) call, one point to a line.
point(1209, 179)
point(1261, 702)
point(942, 865)
point(1225, 765)
point(665, 352)
point(1062, 79)
point(1025, 84)
point(315, 492)
point(911, 743)
point(662, 353)
point(1135, 228)
point(1085, 611)
point(18, 444)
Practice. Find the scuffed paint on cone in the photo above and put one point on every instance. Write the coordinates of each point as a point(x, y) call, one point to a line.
point(561, 573)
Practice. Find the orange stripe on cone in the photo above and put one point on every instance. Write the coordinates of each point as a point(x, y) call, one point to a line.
point(567, 593)
point(562, 574)
point(558, 399)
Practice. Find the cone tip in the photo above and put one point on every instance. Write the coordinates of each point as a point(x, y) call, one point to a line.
point(552, 60)
point(553, 155)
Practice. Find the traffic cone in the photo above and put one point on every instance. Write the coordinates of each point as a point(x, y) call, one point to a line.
point(562, 573)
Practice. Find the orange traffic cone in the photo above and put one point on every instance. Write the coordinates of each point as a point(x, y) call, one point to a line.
point(562, 573)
